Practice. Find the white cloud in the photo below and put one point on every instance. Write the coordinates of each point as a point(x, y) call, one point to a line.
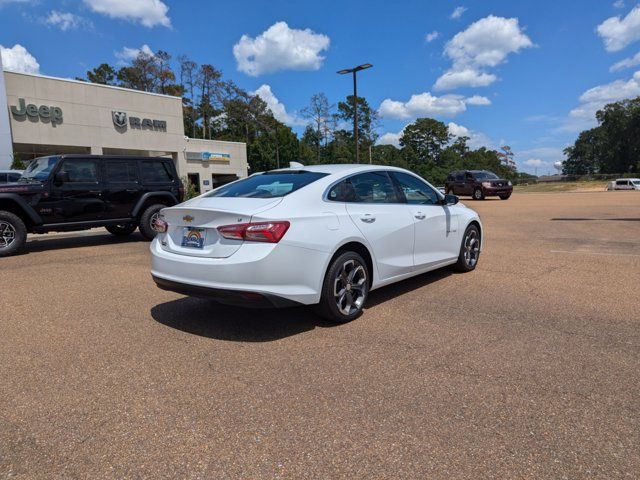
point(457, 13)
point(484, 44)
point(390, 138)
point(478, 101)
point(426, 105)
point(468, 77)
point(280, 48)
point(277, 108)
point(146, 12)
point(423, 104)
point(626, 63)
point(64, 20)
point(476, 139)
point(594, 99)
point(128, 54)
point(618, 32)
point(18, 59)
point(618, 4)
point(458, 130)
point(430, 37)
point(534, 162)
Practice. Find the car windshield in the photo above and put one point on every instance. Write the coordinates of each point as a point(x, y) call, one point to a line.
point(268, 184)
point(40, 168)
point(485, 176)
point(636, 182)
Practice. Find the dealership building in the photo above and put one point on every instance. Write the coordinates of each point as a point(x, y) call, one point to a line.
point(42, 115)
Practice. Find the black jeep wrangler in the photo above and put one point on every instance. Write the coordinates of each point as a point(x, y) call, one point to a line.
point(77, 192)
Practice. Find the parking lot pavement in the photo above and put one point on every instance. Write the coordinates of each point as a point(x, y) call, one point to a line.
point(528, 367)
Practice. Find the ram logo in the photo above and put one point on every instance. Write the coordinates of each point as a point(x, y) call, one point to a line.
point(119, 119)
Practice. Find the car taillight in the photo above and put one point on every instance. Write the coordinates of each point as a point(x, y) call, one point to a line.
point(268, 232)
point(160, 225)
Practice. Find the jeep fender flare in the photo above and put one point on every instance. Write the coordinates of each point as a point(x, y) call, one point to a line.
point(23, 207)
point(159, 195)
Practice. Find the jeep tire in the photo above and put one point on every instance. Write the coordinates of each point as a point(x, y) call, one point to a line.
point(13, 234)
point(147, 218)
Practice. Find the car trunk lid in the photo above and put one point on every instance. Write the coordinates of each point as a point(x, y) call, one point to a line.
point(193, 225)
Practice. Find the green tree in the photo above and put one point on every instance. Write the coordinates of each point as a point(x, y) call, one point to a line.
point(367, 125)
point(426, 137)
point(611, 147)
point(318, 112)
point(103, 74)
point(17, 163)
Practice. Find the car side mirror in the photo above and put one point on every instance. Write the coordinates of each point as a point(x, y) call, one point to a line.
point(450, 199)
point(61, 177)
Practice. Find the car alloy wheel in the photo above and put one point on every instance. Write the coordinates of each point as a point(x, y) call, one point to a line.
point(7, 234)
point(349, 287)
point(471, 248)
point(477, 194)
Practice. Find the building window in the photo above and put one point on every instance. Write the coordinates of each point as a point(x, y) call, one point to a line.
point(194, 179)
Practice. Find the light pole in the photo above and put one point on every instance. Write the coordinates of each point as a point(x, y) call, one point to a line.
point(354, 71)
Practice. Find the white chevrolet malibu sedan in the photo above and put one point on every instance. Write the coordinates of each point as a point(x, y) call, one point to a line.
point(322, 235)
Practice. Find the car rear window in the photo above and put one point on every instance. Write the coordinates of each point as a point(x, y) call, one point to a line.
point(268, 185)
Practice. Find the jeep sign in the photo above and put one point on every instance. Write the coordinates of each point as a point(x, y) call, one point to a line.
point(44, 113)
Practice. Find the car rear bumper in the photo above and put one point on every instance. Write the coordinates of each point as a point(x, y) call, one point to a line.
point(227, 297)
point(284, 271)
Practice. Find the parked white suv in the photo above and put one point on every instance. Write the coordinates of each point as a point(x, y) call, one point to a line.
point(624, 184)
point(324, 234)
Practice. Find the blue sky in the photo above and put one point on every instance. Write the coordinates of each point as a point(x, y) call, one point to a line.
point(528, 74)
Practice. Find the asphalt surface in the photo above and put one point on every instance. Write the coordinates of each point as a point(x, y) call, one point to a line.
point(528, 367)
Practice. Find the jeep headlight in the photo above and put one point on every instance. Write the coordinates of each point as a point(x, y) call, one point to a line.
point(509, 183)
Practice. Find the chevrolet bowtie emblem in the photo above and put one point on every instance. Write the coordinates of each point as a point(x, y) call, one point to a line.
point(188, 218)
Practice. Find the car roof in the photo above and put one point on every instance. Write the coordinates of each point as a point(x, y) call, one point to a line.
point(634, 179)
point(340, 168)
point(12, 171)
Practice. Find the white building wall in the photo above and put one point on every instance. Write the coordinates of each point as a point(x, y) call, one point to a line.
point(6, 147)
point(88, 125)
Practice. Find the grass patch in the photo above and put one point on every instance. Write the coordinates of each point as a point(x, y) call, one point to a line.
point(562, 187)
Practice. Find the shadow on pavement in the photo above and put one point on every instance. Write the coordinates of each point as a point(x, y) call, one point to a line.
point(212, 320)
point(209, 319)
point(43, 243)
point(581, 219)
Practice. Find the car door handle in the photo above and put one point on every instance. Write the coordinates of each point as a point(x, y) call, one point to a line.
point(368, 218)
point(420, 216)
point(132, 190)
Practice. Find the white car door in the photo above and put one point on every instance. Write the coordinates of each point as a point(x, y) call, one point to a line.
point(374, 207)
point(436, 225)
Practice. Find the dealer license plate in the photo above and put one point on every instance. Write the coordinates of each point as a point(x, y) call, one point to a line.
point(193, 237)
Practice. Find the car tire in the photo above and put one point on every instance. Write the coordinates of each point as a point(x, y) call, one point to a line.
point(469, 250)
point(450, 191)
point(478, 194)
point(505, 197)
point(122, 230)
point(337, 302)
point(13, 234)
point(146, 221)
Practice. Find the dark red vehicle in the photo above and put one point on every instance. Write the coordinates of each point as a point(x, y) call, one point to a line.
point(478, 184)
